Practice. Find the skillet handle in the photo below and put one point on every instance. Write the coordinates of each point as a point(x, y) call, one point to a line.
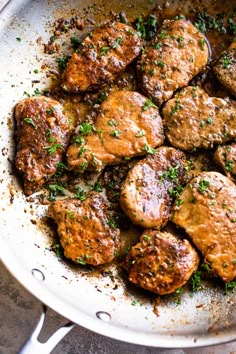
point(33, 346)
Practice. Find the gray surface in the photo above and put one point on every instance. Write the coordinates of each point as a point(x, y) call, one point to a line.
point(19, 313)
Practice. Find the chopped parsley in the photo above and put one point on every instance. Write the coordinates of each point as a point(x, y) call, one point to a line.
point(140, 133)
point(78, 140)
point(203, 185)
point(146, 28)
point(147, 104)
point(83, 259)
point(112, 223)
point(160, 64)
point(31, 122)
point(195, 281)
point(102, 96)
point(116, 133)
point(75, 42)
point(57, 249)
point(202, 43)
point(62, 62)
point(86, 128)
point(117, 42)
point(71, 214)
point(175, 108)
point(205, 22)
point(80, 194)
point(113, 123)
point(61, 167)
point(52, 148)
point(104, 50)
point(146, 238)
point(229, 286)
point(172, 173)
point(163, 34)
point(54, 190)
point(229, 165)
point(158, 45)
point(149, 149)
point(231, 26)
point(81, 151)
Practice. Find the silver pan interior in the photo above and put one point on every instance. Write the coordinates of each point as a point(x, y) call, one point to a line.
point(101, 304)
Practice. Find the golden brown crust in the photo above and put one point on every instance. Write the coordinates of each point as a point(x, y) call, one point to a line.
point(225, 69)
point(225, 157)
point(123, 129)
point(208, 215)
point(194, 120)
point(161, 262)
point(43, 133)
point(86, 232)
point(148, 193)
point(172, 59)
point(103, 55)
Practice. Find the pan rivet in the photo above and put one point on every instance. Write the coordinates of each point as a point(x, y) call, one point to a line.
point(104, 316)
point(38, 274)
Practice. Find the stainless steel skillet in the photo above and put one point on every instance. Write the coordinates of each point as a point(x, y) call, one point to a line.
point(102, 304)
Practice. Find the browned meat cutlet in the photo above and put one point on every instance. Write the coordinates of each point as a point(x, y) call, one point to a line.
point(104, 54)
point(151, 186)
point(208, 215)
point(225, 69)
point(225, 157)
point(127, 125)
point(193, 120)
point(177, 53)
point(161, 262)
point(87, 231)
point(43, 133)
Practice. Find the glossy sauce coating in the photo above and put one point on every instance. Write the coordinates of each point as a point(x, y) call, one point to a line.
point(148, 193)
point(43, 133)
point(208, 215)
point(125, 127)
point(85, 229)
point(104, 54)
point(161, 262)
point(177, 53)
point(194, 120)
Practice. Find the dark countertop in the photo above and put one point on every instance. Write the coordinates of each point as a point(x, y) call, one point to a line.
point(20, 311)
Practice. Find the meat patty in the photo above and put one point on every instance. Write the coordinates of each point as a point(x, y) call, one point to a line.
point(161, 262)
point(43, 133)
point(172, 59)
point(208, 215)
point(151, 187)
point(127, 125)
point(87, 231)
point(193, 120)
point(225, 69)
point(225, 156)
point(103, 54)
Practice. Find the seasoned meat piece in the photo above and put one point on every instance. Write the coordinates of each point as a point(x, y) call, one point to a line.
point(172, 59)
point(126, 126)
point(151, 186)
point(161, 262)
point(104, 54)
point(193, 120)
point(225, 156)
point(208, 215)
point(43, 133)
point(225, 69)
point(87, 232)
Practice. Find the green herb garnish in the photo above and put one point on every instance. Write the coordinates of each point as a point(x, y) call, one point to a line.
point(31, 122)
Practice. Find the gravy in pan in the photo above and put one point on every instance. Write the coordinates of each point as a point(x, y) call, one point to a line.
point(216, 22)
